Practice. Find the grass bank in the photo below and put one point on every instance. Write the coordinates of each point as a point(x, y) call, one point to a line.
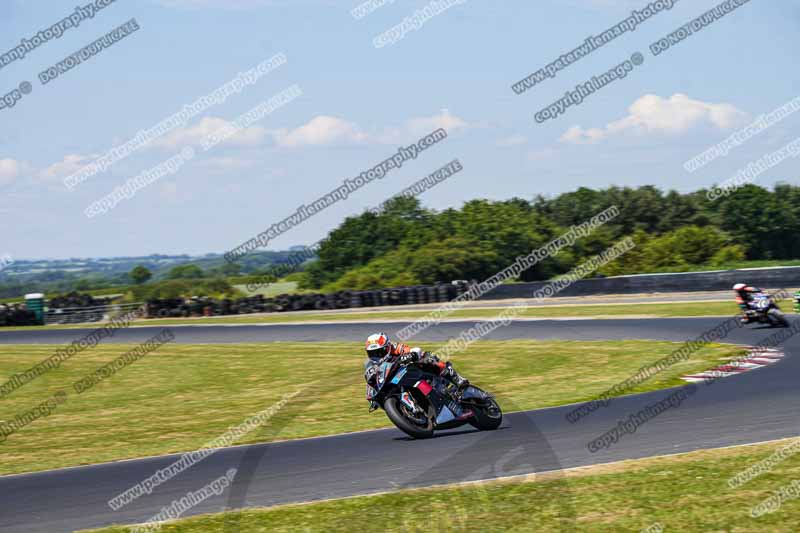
point(660, 310)
point(182, 396)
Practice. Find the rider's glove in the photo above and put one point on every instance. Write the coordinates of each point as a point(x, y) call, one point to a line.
point(429, 358)
point(410, 357)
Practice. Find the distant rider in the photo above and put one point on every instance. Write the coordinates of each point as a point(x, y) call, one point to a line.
point(745, 295)
point(379, 346)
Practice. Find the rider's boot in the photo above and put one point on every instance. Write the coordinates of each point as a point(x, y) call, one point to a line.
point(460, 381)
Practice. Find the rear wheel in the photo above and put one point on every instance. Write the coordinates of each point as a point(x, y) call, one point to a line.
point(419, 426)
point(488, 415)
point(777, 317)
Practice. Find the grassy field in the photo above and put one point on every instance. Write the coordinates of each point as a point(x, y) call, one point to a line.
point(182, 396)
point(561, 311)
point(663, 310)
point(765, 263)
point(270, 290)
point(687, 492)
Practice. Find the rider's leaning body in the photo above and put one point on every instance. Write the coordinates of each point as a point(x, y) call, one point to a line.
point(745, 293)
point(379, 347)
point(746, 296)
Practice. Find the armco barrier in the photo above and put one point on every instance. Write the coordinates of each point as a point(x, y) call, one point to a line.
point(718, 280)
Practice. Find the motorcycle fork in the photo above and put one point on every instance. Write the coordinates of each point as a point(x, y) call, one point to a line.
point(408, 400)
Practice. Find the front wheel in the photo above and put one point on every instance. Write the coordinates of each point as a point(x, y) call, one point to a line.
point(488, 415)
point(417, 426)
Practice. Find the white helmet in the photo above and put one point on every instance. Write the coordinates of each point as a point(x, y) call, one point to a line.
point(378, 345)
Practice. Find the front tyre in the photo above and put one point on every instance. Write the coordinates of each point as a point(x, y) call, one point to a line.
point(410, 424)
point(488, 415)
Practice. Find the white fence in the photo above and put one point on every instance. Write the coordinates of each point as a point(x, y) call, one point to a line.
point(78, 315)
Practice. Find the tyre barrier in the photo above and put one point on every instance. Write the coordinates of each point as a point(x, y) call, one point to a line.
point(76, 308)
point(61, 306)
point(178, 307)
point(16, 315)
point(75, 299)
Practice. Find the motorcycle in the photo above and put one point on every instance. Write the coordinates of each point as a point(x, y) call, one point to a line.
point(763, 309)
point(419, 402)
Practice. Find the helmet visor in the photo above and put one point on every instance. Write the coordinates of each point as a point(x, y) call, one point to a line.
point(376, 352)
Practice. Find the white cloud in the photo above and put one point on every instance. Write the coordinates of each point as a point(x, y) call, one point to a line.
point(419, 126)
point(326, 130)
point(652, 114)
point(445, 119)
point(578, 135)
point(322, 130)
point(180, 137)
point(10, 169)
point(71, 164)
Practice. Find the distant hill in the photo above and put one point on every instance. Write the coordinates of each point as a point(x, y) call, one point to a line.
point(59, 275)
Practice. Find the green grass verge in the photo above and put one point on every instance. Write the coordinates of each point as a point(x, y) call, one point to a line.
point(736, 265)
point(662, 310)
point(182, 396)
point(270, 290)
point(682, 493)
point(562, 311)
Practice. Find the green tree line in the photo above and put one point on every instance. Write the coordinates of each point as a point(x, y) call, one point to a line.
point(407, 244)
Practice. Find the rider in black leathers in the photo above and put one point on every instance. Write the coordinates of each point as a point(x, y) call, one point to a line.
point(379, 346)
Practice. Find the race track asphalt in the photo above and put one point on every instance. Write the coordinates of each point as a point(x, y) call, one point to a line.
point(752, 407)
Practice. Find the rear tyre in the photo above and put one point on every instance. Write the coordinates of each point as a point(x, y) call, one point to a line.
point(777, 318)
point(488, 415)
point(399, 414)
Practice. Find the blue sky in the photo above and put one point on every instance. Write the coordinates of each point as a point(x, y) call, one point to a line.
point(360, 103)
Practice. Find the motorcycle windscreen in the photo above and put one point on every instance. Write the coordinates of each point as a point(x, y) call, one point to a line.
point(383, 373)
